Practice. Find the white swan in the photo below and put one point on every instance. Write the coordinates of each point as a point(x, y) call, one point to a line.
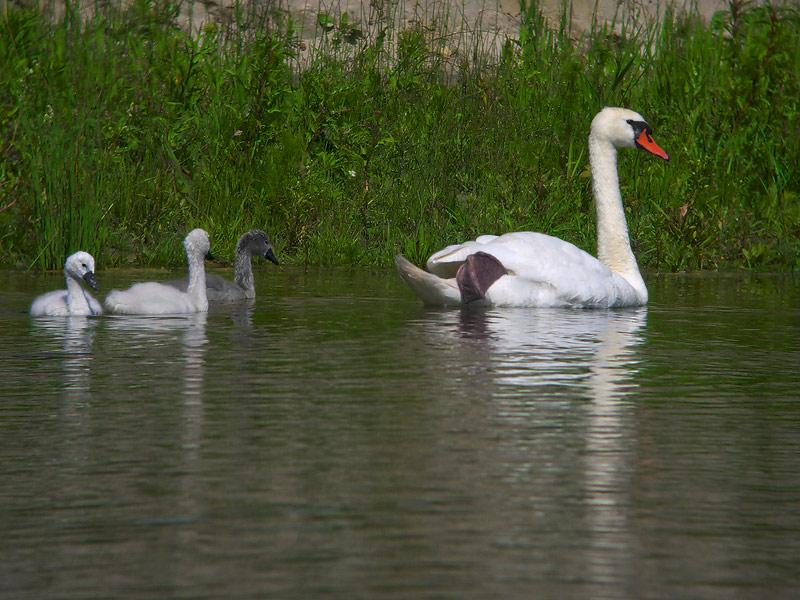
point(534, 269)
point(218, 289)
point(153, 298)
point(74, 300)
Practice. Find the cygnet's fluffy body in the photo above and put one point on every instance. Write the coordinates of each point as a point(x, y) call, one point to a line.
point(154, 298)
point(74, 300)
point(218, 289)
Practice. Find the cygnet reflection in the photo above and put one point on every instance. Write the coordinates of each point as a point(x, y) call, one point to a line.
point(155, 344)
point(75, 336)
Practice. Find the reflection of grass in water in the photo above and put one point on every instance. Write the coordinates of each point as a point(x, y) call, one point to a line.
point(122, 132)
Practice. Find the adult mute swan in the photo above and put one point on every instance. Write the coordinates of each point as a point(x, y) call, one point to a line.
point(534, 269)
point(154, 298)
point(74, 300)
point(253, 243)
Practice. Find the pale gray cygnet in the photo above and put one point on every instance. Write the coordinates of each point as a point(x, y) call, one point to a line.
point(75, 300)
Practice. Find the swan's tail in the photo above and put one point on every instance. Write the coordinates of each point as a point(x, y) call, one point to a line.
point(432, 290)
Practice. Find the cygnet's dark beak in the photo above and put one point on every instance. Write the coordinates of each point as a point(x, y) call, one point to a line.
point(210, 256)
point(270, 256)
point(90, 280)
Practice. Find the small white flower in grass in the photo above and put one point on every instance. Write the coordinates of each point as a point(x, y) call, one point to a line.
point(351, 173)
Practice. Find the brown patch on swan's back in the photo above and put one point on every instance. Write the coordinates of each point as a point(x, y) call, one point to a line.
point(477, 275)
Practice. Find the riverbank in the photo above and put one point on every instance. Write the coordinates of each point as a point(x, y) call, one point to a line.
point(123, 132)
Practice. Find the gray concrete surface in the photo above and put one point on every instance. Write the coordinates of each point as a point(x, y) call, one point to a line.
point(453, 25)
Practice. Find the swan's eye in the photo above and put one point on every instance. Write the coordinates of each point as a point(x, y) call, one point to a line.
point(639, 126)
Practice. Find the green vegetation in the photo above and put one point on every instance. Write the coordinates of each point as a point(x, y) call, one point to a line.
point(122, 132)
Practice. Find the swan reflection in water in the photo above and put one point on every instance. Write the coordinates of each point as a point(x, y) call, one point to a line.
point(75, 334)
point(148, 344)
point(552, 352)
point(560, 388)
point(167, 354)
point(150, 341)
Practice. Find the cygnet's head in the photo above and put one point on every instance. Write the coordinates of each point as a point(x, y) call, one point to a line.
point(80, 266)
point(197, 243)
point(625, 129)
point(257, 243)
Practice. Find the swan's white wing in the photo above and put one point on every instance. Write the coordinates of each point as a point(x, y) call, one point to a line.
point(445, 262)
point(529, 254)
point(542, 271)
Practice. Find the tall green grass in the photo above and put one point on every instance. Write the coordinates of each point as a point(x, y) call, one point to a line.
point(122, 132)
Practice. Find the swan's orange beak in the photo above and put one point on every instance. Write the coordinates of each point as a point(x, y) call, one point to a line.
point(646, 142)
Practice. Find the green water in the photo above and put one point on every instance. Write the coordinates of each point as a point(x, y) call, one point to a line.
point(335, 439)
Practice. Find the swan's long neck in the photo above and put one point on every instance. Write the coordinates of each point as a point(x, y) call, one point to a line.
point(613, 243)
point(243, 273)
point(197, 281)
point(77, 304)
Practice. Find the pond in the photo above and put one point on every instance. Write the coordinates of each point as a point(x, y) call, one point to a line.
point(337, 439)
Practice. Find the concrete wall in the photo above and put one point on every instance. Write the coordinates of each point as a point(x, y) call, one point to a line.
point(488, 16)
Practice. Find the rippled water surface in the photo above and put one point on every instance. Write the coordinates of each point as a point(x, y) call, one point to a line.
point(335, 439)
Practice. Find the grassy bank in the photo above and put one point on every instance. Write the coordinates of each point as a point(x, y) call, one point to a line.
point(122, 132)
